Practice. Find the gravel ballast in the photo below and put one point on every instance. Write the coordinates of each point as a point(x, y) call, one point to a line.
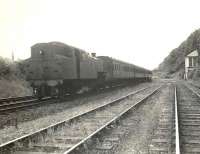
point(44, 116)
point(146, 117)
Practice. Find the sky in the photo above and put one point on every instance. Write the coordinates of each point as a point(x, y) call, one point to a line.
point(142, 32)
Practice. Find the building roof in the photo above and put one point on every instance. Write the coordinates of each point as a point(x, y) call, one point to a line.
point(193, 54)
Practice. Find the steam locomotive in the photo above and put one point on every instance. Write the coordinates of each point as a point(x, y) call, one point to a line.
point(55, 68)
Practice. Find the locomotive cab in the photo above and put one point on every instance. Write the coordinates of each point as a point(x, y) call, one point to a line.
point(48, 66)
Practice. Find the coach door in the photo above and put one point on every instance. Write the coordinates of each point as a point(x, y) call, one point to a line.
point(77, 55)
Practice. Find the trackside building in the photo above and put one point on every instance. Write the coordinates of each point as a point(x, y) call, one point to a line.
point(191, 63)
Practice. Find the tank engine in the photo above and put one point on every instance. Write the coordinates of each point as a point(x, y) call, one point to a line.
point(55, 68)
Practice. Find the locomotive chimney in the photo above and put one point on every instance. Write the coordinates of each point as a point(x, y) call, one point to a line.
point(93, 54)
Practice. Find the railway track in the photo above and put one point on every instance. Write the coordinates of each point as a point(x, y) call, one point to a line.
point(188, 106)
point(163, 139)
point(14, 99)
point(75, 134)
point(14, 104)
point(179, 124)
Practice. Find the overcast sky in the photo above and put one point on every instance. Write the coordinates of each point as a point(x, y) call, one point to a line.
point(142, 32)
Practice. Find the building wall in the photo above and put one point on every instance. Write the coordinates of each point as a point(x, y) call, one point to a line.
point(191, 63)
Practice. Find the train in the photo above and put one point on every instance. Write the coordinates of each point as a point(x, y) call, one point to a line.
point(55, 68)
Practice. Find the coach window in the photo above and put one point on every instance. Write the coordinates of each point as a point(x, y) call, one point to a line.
point(41, 52)
point(68, 54)
point(83, 56)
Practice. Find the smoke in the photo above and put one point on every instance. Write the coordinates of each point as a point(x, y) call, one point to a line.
point(12, 80)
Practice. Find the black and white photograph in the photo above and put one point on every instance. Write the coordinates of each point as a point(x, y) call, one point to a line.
point(99, 77)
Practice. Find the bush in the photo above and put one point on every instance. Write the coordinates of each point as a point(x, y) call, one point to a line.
point(196, 74)
point(12, 81)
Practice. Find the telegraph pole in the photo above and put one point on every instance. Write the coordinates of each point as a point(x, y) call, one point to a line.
point(13, 57)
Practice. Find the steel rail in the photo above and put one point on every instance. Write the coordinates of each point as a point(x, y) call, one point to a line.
point(193, 91)
point(9, 99)
point(176, 122)
point(11, 143)
point(13, 103)
point(21, 104)
point(72, 149)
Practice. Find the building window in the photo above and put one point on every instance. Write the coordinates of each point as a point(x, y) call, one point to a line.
point(193, 61)
point(190, 61)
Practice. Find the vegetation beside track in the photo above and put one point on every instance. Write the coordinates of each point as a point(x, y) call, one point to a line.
point(173, 65)
point(12, 80)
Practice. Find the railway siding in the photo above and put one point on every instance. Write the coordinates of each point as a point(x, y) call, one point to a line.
point(13, 99)
point(13, 106)
point(75, 125)
point(132, 132)
point(31, 119)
